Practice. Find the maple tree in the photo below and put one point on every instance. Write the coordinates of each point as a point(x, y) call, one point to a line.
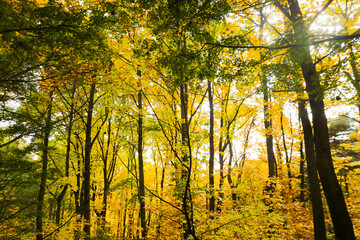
point(179, 119)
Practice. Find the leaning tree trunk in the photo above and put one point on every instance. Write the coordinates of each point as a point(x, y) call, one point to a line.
point(315, 193)
point(340, 216)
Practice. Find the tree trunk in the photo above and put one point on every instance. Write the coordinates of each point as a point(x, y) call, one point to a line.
point(67, 159)
point(302, 173)
point(222, 148)
point(141, 166)
point(287, 158)
point(229, 173)
point(340, 216)
point(45, 160)
point(184, 182)
point(78, 193)
point(272, 166)
point(212, 150)
point(315, 193)
point(87, 164)
point(106, 177)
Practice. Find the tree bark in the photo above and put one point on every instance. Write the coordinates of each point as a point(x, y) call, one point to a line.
point(67, 160)
point(108, 171)
point(287, 158)
point(45, 160)
point(212, 150)
point(302, 173)
point(87, 164)
point(272, 166)
point(141, 166)
point(229, 173)
point(340, 216)
point(222, 148)
point(314, 184)
point(185, 159)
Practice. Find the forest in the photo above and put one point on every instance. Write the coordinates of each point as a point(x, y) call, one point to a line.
point(179, 119)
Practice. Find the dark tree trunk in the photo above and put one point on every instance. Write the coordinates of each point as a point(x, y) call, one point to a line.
point(67, 160)
point(141, 166)
point(107, 173)
point(45, 160)
point(184, 182)
point(212, 150)
point(272, 166)
point(78, 193)
point(222, 148)
point(314, 184)
point(333, 193)
point(124, 222)
point(232, 184)
point(87, 164)
point(340, 216)
point(287, 158)
point(302, 173)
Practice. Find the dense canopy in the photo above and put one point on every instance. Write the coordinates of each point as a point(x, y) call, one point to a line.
point(191, 119)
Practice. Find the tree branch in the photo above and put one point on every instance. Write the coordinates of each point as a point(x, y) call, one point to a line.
point(335, 38)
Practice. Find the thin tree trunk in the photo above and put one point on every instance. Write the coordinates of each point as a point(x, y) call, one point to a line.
point(212, 150)
point(229, 173)
point(106, 177)
point(272, 166)
point(141, 166)
point(124, 221)
point(185, 159)
point(287, 159)
point(302, 173)
point(67, 159)
point(78, 193)
point(45, 160)
point(87, 164)
point(221, 163)
point(315, 194)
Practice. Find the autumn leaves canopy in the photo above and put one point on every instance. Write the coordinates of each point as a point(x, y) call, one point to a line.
point(179, 119)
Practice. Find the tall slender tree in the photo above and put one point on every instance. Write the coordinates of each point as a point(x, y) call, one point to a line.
point(86, 209)
point(44, 170)
point(333, 193)
point(140, 142)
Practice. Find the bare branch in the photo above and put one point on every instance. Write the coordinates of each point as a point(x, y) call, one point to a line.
point(321, 11)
